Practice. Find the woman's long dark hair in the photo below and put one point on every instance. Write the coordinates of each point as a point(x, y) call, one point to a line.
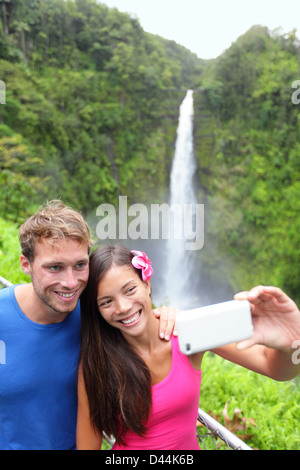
point(117, 381)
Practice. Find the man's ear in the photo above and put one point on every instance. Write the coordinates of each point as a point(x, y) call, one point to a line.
point(25, 265)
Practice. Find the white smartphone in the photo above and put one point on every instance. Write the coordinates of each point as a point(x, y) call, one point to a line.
point(205, 328)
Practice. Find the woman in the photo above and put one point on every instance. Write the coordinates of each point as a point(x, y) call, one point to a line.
point(142, 390)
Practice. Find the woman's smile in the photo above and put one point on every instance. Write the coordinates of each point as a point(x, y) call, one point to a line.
point(132, 320)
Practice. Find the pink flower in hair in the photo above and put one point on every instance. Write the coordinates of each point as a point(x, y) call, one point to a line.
point(141, 261)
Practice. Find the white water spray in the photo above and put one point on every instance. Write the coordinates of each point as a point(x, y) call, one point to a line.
point(179, 262)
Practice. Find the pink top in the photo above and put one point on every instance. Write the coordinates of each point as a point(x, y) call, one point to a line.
point(173, 417)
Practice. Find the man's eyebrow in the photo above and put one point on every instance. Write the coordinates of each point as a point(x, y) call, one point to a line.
point(62, 263)
point(83, 260)
point(51, 261)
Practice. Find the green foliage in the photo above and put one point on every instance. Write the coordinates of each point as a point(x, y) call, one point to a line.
point(86, 86)
point(18, 178)
point(274, 406)
point(252, 172)
point(10, 253)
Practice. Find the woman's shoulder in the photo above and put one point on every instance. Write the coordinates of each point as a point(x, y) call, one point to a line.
point(195, 360)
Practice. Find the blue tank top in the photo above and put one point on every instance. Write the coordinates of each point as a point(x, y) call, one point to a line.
point(38, 386)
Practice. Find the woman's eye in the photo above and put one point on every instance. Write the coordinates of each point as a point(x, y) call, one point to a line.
point(104, 304)
point(131, 290)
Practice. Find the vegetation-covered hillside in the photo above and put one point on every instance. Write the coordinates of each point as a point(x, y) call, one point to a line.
point(91, 104)
point(248, 152)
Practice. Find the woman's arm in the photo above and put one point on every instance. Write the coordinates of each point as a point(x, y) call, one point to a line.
point(276, 322)
point(87, 438)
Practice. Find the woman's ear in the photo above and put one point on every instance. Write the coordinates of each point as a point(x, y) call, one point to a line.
point(148, 284)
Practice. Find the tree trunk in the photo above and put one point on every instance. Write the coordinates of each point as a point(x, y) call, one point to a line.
point(23, 45)
point(5, 23)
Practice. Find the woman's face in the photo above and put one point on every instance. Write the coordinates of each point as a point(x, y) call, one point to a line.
point(124, 300)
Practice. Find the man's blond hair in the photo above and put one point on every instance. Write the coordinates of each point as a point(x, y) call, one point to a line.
point(53, 221)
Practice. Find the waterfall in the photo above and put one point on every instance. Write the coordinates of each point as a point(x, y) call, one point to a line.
point(179, 261)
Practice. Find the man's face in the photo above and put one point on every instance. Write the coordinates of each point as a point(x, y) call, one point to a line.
point(59, 275)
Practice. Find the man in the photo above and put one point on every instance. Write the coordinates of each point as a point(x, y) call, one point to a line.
point(40, 326)
point(40, 329)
